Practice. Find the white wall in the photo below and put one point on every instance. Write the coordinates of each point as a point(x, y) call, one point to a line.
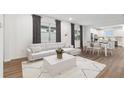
point(66, 29)
point(1, 46)
point(86, 34)
point(18, 35)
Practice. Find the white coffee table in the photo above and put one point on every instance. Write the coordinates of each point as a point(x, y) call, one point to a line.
point(57, 66)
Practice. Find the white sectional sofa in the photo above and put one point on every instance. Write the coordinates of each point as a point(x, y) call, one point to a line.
point(39, 51)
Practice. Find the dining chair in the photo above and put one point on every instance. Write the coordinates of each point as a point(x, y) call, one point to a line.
point(96, 48)
point(110, 47)
point(89, 48)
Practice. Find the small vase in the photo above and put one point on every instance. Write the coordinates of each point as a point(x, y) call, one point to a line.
point(59, 56)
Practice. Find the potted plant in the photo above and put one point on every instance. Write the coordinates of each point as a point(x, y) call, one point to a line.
point(59, 52)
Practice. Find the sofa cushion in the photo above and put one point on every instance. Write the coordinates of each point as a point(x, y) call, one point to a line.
point(72, 51)
point(68, 49)
point(43, 54)
point(35, 49)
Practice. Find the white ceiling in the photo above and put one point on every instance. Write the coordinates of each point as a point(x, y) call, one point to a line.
point(91, 19)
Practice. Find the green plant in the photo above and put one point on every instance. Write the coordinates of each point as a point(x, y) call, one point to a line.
point(59, 51)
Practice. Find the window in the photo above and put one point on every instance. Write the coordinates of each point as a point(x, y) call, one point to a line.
point(108, 33)
point(48, 30)
point(77, 36)
point(44, 34)
point(53, 34)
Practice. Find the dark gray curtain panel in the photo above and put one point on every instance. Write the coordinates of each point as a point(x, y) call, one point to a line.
point(36, 29)
point(81, 36)
point(72, 35)
point(58, 31)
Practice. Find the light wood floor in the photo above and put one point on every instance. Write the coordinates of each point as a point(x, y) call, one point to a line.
point(114, 63)
point(13, 69)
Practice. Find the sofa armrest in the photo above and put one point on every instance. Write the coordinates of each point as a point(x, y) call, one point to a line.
point(29, 51)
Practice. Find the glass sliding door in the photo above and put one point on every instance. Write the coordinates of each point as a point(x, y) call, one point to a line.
point(44, 34)
point(52, 34)
point(48, 34)
point(77, 36)
point(48, 30)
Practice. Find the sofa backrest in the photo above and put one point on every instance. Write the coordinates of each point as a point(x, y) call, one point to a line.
point(46, 46)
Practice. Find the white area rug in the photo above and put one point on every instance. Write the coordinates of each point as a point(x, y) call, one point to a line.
point(85, 69)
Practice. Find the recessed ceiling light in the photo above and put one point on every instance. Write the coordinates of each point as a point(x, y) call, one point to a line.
point(70, 19)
